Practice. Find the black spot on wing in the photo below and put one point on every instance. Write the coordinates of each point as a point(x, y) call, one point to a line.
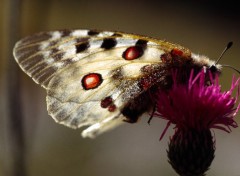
point(66, 32)
point(141, 43)
point(82, 47)
point(92, 33)
point(109, 43)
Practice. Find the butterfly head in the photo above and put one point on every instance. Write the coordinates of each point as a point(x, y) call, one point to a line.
point(215, 67)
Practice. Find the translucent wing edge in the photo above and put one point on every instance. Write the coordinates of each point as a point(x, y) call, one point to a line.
point(103, 126)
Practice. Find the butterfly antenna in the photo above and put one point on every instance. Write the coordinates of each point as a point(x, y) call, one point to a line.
point(225, 49)
point(229, 66)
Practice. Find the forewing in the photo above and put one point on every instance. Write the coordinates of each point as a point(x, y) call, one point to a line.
point(81, 69)
point(43, 54)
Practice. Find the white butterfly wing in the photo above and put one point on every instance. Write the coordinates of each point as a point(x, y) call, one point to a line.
point(43, 54)
point(82, 70)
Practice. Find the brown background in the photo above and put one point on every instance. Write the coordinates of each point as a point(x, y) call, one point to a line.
point(51, 149)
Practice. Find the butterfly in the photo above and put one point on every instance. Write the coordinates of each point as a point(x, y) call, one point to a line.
point(100, 79)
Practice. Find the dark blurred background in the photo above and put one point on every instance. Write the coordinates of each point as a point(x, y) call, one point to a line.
point(48, 148)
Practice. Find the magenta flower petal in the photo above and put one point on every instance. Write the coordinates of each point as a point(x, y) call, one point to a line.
point(198, 106)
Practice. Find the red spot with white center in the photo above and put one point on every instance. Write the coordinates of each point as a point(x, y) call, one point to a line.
point(132, 53)
point(91, 81)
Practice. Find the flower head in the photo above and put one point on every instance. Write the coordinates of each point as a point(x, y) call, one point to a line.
point(198, 106)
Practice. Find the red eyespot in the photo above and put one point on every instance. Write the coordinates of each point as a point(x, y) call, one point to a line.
point(91, 81)
point(176, 52)
point(106, 102)
point(112, 108)
point(133, 52)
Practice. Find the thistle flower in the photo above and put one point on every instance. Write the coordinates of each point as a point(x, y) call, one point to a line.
point(195, 108)
point(198, 106)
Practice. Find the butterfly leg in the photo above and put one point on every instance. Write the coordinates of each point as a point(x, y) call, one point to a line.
point(152, 114)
